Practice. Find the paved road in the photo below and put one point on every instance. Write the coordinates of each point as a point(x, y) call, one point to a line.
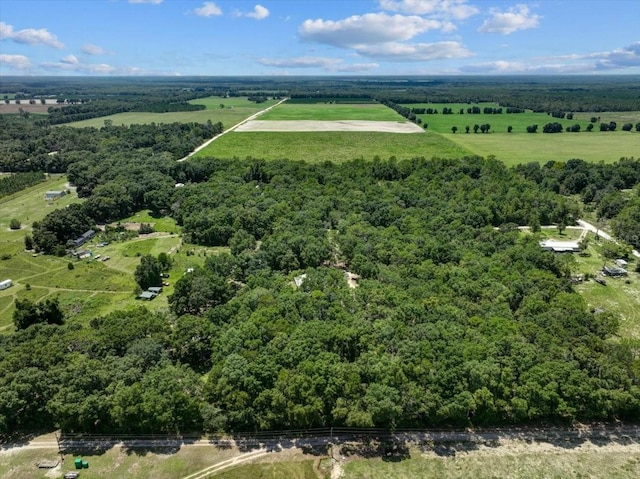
point(252, 117)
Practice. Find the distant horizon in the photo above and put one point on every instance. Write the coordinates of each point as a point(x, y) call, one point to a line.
point(297, 38)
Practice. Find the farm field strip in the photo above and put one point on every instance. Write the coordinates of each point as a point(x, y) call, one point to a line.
point(235, 110)
point(332, 112)
point(329, 125)
point(335, 146)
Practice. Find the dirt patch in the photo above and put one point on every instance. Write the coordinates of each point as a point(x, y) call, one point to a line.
point(25, 106)
point(341, 125)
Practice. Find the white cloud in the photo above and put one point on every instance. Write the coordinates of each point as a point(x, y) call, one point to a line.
point(327, 64)
point(153, 2)
point(70, 60)
point(623, 59)
point(29, 36)
point(410, 52)
point(91, 49)
point(514, 19)
point(17, 62)
point(368, 29)
point(456, 9)
point(259, 13)
point(208, 9)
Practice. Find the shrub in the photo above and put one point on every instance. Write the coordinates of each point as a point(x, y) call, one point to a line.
point(15, 224)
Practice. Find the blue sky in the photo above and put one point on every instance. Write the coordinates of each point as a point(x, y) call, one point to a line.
point(318, 37)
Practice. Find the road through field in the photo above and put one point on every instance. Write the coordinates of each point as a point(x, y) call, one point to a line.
point(252, 117)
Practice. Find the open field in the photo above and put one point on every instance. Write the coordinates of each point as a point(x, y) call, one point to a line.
point(93, 287)
point(440, 123)
point(519, 148)
point(331, 146)
point(616, 458)
point(329, 125)
point(332, 112)
point(513, 460)
point(235, 110)
point(620, 295)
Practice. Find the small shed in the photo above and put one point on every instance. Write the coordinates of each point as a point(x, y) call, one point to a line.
point(54, 195)
point(5, 284)
point(155, 289)
point(622, 263)
point(147, 295)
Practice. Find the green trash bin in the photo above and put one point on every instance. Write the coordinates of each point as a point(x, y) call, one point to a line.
point(78, 463)
point(85, 464)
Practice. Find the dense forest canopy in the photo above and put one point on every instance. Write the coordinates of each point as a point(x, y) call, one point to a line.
point(364, 294)
point(453, 321)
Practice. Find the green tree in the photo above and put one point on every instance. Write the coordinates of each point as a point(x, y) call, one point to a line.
point(15, 224)
point(28, 313)
point(148, 272)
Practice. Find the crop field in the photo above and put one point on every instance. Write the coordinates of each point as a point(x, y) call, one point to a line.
point(332, 146)
point(235, 110)
point(332, 112)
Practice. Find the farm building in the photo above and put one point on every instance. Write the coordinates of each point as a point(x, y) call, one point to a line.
point(54, 195)
point(86, 236)
point(560, 246)
point(614, 271)
point(147, 295)
point(5, 284)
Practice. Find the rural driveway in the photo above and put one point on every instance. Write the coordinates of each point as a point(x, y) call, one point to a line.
point(590, 227)
point(252, 117)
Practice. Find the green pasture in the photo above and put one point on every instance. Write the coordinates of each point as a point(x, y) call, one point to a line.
point(159, 223)
point(499, 123)
point(334, 146)
point(332, 112)
point(117, 462)
point(620, 295)
point(519, 148)
point(235, 110)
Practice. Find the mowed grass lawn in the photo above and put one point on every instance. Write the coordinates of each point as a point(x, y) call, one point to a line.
point(235, 110)
point(332, 146)
point(93, 287)
point(332, 112)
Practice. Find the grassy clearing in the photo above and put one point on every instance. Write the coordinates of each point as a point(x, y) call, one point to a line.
point(93, 287)
point(235, 110)
point(333, 146)
point(440, 123)
point(618, 296)
point(117, 462)
point(514, 149)
point(332, 112)
point(290, 470)
point(524, 461)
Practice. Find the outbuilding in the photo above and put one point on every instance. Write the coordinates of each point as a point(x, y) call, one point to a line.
point(147, 295)
point(54, 195)
point(155, 289)
point(5, 284)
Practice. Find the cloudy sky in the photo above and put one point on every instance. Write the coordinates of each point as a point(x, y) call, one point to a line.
point(318, 37)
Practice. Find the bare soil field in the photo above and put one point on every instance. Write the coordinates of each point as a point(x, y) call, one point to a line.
point(341, 125)
point(25, 106)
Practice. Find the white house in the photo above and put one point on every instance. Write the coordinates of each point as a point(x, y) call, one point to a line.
point(560, 246)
